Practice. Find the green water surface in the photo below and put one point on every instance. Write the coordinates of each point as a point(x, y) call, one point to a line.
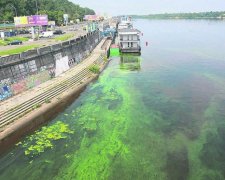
point(156, 117)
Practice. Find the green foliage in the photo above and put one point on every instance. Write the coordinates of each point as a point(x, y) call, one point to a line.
point(105, 59)
point(10, 39)
point(17, 50)
point(202, 15)
point(47, 101)
point(95, 69)
point(36, 106)
point(43, 139)
point(64, 37)
point(54, 9)
point(3, 43)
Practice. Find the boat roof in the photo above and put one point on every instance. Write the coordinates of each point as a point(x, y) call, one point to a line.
point(128, 30)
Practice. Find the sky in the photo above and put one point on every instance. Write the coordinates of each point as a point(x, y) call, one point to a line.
point(142, 7)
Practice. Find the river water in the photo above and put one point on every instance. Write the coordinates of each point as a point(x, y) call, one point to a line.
point(160, 117)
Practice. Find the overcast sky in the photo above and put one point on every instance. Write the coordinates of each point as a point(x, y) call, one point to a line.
point(120, 7)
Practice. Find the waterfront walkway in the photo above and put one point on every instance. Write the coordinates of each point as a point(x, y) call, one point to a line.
point(20, 105)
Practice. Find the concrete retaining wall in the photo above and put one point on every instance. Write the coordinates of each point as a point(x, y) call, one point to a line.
point(16, 69)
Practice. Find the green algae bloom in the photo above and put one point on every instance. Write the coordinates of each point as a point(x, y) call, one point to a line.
point(163, 120)
point(43, 139)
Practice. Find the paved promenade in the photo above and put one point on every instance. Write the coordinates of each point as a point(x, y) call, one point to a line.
point(22, 104)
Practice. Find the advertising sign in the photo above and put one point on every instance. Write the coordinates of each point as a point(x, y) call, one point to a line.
point(66, 18)
point(38, 20)
point(91, 18)
point(31, 20)
point(42, 20)
point(21, 21)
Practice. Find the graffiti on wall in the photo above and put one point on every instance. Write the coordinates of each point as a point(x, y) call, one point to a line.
point(72, 62)
point(30, 82)
point(5, 89)
point(18, 87)
point(8, 89)
point(37, 79)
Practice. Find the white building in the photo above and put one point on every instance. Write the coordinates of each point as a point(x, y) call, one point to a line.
point(129, 40)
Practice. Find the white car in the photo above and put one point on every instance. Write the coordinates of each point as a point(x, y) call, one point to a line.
point(46, 34)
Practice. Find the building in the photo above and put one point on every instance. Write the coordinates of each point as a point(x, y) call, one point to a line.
point(129, 40)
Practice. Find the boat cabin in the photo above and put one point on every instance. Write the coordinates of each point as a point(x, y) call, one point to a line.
point(129, 40)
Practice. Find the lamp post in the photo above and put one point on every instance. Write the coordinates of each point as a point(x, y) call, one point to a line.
point(36, 6)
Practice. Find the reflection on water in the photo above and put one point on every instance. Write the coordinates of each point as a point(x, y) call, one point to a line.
point(130, 62)
point(161, 117)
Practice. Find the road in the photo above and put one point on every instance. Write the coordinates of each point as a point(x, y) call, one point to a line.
point(50, 41)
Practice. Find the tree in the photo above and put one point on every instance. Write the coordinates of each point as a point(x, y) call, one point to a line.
point(53, 8)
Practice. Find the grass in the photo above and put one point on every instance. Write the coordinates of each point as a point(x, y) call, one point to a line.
point(10, 39)
point(47, 101)
point(36, 106)
point(95, 69)
point(64, 37)
point(3, 43)
point(105, 59)
point(17, 38)
point(17, 50)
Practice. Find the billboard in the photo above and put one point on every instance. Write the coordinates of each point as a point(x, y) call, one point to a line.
point(21, 21)
point(66, 18)
point(38, 20)
point(91, 17)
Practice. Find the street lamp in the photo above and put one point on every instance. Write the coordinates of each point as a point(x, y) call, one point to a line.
point(36, 6)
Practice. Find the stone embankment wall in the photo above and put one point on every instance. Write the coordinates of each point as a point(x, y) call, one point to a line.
point(23, 71)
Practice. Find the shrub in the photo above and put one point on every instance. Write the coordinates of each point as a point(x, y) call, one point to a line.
point(95, 69)
point(105, 59)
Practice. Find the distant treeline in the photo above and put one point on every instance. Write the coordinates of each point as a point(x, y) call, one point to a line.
point(53, 8)
point(201, 15)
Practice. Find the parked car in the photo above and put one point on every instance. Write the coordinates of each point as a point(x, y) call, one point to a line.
point(15, 42)
point(10, 33)
point(58, 32)
point(46, 34)
point(23, 31)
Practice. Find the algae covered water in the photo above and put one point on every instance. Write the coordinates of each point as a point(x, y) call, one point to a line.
point(158, 116)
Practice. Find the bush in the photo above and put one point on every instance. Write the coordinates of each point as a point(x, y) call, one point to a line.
point(105, 59)
point(95, 69)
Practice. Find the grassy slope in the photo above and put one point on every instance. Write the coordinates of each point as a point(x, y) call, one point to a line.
point(10, 39)
point(17, 50)
point(64, 37)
